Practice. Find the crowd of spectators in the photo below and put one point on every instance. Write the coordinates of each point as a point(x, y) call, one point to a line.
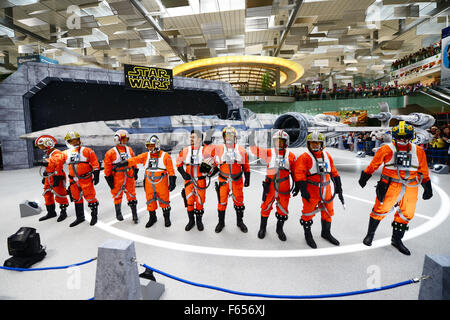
point(362, 141)
point(437, 150)
point(417, 56)
point(357, 92)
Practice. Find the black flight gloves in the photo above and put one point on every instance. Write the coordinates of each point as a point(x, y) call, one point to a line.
point(428, 191)
point(186, 176)
point(96, 177)
point(110, 181)
point(363, 179)
point(172, 182)
point(301, 186)
point(246, 179)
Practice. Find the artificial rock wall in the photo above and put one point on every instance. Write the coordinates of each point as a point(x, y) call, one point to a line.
point(32, 76)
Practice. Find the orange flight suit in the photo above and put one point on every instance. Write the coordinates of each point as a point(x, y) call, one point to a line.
point(306, 169)
point(158, 166)
point(58, 193)
point(232, 164)
point(81, 161)
point(195, 188)
point(403, 185)
point(123, 177)
point(277, 175)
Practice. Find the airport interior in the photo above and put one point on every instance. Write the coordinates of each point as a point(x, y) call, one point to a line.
point(225, 150)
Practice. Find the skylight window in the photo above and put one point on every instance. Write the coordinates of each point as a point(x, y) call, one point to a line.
point(201, 6)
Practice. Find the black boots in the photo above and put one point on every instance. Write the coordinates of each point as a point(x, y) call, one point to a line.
point(239, 218)
point(94, 212)
point(221, 223)
point(152, 219)
point(79, 212)
point(373, 225)
point(166, 215)
point(262, 227)
point(191, 222)
point(326, 234)
point(63, 212)
point(118, 211)
point(133, 207)
point(195, 217)
point(397, 234)
point(308, 235)
point(198, 219)
point(280, 223)
point(51, 212)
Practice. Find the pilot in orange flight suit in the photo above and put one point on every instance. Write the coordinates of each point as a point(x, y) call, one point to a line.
point(276, 187)
point(121, 180)
point(159, 178)
point(84, 173)
point(54, 181)
point(195, 178)
point(405, 167)
point(232, 161)
point(313, 173)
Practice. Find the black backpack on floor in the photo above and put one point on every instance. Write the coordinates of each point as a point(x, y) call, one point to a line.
point(25, 248)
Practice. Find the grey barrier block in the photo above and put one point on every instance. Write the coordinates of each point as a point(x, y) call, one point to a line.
point(437, 287)
point(27, 210)
point(151, 290)
point(440, 169)
point(117, 275)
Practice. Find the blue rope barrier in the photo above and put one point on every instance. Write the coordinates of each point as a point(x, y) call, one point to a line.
point(48, 268)
point(262, 295)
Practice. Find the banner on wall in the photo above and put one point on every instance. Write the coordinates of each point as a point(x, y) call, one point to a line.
point(418, 67)
point(445, 60)
point(148, 78)
point(353, 118)
point(35, 58)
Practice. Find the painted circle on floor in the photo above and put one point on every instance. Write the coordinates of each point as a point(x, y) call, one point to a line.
point(432, 223)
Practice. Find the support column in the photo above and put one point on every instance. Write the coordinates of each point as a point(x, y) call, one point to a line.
point(277, 79)
point(9, 18)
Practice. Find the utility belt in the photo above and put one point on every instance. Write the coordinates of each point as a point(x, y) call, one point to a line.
point(126, 171)
point(155, 179)
point(81, 176)
point(188, 183)
point(406, 182)
point(382, 187)
point(319, 184)
point(117, 169)
point(50, 186)
point(233, 177)
point(276, 182)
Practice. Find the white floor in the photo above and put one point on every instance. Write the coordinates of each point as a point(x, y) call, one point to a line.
point(230, 259)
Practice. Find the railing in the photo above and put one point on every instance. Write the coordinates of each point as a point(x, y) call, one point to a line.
point(417, 57)
point(339, 94)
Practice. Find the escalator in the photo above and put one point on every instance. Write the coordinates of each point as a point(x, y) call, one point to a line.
point(438, 93)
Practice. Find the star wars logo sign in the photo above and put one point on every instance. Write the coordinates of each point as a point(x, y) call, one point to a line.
point(148, 78)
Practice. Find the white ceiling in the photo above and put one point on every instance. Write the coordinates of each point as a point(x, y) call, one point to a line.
point(327, 37)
